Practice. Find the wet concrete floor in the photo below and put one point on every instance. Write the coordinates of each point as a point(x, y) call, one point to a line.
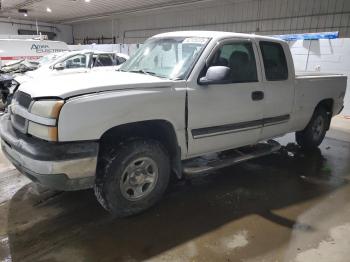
point(289, 206)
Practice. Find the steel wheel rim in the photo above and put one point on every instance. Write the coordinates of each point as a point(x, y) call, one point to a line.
point(139, 178)
point(317, 128)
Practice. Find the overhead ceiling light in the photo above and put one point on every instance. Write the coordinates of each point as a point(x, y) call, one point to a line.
point(87, 1)
point(48, 10)
point(23, 11)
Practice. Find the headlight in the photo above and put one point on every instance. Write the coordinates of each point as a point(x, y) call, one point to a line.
point(47, 108)
point(49, 133)
point(43, 124)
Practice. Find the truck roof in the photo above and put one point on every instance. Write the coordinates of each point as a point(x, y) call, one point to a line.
point(216, 35)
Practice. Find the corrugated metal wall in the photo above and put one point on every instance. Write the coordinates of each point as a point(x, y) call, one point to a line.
point(63, 32)
point(250, 16)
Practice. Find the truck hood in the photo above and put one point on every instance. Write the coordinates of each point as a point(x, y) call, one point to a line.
point(65, 86)
point(21, 78)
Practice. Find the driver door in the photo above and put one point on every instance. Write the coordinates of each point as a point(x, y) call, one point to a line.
point(225, 116)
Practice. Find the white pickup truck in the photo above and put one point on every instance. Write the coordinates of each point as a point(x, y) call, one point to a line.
point(182, 96)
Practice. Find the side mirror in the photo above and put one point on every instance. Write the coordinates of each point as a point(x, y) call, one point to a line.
point(58, 66)
point(216, 75)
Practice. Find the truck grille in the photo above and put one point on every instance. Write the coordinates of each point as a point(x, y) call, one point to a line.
point(18, 122)
point(24, 100)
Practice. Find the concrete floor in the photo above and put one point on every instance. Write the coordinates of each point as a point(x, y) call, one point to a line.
point(289, 206)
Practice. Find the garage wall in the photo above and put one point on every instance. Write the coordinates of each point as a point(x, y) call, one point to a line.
point(258, 16)
point(10, 27)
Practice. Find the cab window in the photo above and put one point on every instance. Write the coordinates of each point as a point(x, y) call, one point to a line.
point(275, 61)
point(240, 58)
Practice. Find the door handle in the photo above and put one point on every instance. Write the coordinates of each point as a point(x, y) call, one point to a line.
point(258, 95)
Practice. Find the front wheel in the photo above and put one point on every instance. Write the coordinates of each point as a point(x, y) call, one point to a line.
point(314, 133)
point(133, 178)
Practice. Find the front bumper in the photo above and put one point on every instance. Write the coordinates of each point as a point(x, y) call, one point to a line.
point(60, 166)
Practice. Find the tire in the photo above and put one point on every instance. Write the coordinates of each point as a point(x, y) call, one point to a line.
point(133, 178)
point(314, 133)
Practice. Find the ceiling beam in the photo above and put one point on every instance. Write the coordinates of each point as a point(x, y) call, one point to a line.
point(24, 4)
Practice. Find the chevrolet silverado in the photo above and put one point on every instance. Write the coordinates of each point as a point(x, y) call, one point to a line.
point(181, 98)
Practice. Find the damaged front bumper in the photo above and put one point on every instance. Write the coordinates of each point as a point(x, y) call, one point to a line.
point(60, 166)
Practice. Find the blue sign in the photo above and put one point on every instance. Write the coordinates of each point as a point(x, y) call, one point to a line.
point(308, 36)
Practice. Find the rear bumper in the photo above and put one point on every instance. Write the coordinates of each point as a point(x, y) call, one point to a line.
point(60, 166)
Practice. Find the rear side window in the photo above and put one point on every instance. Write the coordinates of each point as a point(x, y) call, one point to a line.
point(103, 60)
point(120, 60)
point(275, 62)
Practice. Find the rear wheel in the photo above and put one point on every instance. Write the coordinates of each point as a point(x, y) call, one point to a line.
point(312, 136)
point(133, 178)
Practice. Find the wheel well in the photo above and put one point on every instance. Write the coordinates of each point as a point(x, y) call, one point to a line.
point(328, 105)
point(160, 130)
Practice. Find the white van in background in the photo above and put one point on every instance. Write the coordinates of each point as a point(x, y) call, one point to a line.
point(14, 50)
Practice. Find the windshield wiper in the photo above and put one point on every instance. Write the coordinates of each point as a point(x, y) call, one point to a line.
point(145, 72)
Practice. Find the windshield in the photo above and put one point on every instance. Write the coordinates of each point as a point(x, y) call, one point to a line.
point(50, 58)
point(170, 58)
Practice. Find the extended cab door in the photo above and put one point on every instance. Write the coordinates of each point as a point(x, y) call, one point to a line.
point(225, 116)
point(278, 76)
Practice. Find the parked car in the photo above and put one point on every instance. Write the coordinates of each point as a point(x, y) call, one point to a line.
point(182, 96)
point(59, 64)
point(74, 62)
